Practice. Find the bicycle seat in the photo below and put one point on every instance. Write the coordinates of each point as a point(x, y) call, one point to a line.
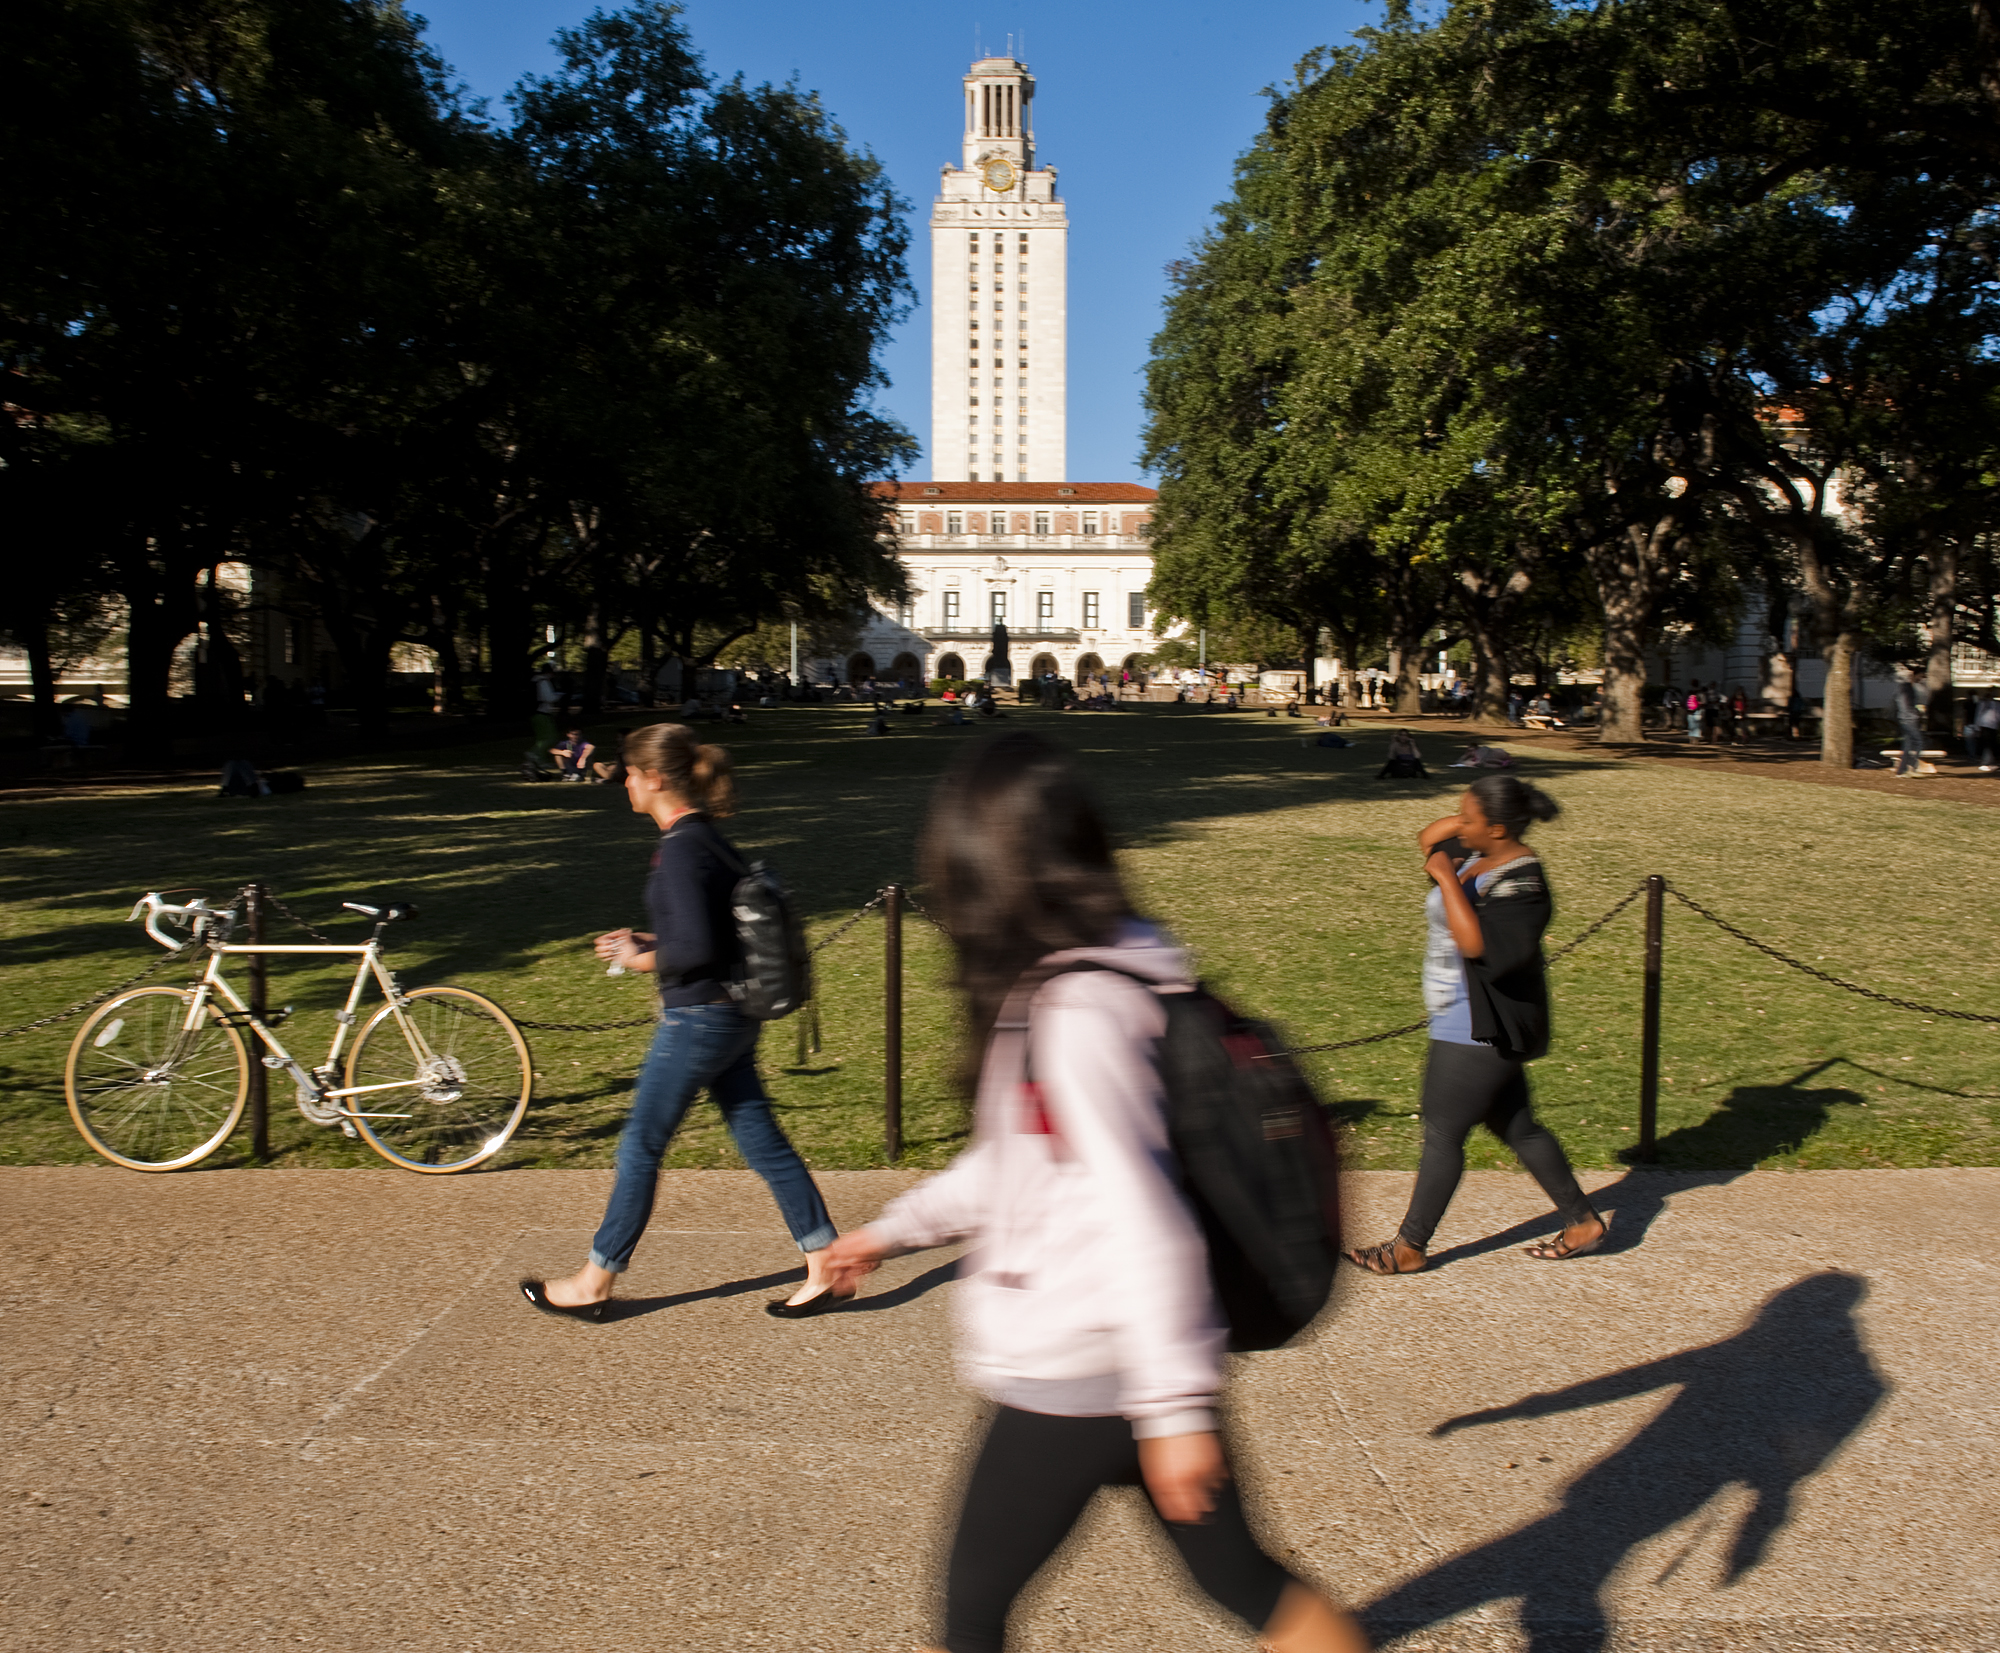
point(388, 914)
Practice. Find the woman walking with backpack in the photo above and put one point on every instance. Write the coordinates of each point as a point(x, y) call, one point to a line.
point(1488, 997)
point(703, 1039)
point(1087, 1312)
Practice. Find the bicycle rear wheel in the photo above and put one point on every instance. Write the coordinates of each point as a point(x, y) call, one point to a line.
point(457, 1076)
point(146, 1092)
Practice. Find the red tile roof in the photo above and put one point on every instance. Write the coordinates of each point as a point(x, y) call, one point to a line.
point(1018, 493)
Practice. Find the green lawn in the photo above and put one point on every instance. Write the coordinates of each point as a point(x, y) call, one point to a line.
point(1289, 869)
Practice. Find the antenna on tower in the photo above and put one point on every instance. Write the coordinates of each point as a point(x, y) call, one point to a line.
point(978, 51)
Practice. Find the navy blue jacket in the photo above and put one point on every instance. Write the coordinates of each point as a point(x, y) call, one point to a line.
point(687, 900)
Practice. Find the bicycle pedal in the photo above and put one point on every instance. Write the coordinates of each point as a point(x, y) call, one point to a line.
point(347, 1128)
point(274, 1061)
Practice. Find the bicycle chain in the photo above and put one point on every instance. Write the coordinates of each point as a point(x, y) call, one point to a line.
point(1723, 924)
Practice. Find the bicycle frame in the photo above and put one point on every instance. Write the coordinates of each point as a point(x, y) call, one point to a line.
point(368, 961)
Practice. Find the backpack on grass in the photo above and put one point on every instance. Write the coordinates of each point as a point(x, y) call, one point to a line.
point(1258, 1163)
point(775, 973)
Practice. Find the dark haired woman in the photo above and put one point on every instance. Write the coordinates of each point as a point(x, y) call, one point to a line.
point(1087, 1311)
point(1488, 997)
point(702, 1040)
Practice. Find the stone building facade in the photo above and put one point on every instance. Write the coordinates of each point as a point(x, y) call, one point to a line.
point(1063, 564)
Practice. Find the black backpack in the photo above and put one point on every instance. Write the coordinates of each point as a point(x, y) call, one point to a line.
point(1258, 1164)
point(774, 973)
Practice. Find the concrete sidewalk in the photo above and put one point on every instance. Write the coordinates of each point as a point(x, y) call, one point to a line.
point(309, 1409)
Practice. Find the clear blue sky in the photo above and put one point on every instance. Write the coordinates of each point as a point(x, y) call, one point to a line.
point(1143, 108)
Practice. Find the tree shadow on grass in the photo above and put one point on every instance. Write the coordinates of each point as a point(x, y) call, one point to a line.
point(1764, 1409)
point(1752, 1124)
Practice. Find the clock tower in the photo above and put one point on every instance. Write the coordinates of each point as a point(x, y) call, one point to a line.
point(999, 294)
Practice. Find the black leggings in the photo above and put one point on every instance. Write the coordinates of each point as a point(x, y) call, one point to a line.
point(1034, 1476)
point(1468, 1085)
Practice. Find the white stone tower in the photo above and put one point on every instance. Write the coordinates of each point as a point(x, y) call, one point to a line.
point(1000, 295)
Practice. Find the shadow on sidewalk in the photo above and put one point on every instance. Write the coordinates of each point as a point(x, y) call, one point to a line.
point(1752, 1124)
point(1764, 1409)
point(631, 1308)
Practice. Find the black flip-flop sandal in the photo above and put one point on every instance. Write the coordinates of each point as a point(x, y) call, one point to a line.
point(1381, 1259)
point(537, 1293)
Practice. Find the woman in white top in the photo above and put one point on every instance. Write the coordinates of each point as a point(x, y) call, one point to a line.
point(1084, 1300)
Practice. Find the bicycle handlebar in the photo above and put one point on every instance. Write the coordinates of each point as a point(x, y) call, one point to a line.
point(196, 915)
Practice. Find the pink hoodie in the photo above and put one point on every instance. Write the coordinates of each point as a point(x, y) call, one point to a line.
point(1085, 1290)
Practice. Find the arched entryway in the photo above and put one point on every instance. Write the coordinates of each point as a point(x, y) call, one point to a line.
point(1042, 663)
point(995, 667)
point(860, 667)
point(951, 666)
point(905, 668)
point(1088, 665)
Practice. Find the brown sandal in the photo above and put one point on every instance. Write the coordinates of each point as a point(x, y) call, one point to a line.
point(1556, 1250)
point(1382, 1259)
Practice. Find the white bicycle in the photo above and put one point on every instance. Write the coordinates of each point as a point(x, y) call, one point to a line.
point(158, 1077)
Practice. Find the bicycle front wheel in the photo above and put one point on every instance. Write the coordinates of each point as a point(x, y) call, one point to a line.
point(453, 1074)
point(147, 1091)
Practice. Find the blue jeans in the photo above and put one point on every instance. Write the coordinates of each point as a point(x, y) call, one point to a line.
point(1913, 747)
point(712, 1045)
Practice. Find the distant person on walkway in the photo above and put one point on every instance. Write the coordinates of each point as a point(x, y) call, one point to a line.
point(1405, 762)
point(1488, 997)
point(1909, 724)
point(702, 1040)
point(1696, 702)
point(1795, 714)
point(1986, 725)
point(1087, 1312)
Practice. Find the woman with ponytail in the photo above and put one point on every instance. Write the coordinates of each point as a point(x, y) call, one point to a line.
point(1488, 997)
point(702, 1040)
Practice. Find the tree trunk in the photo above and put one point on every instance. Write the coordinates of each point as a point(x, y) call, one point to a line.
point(1629, 569)
point(596, 657)
point(156, 626)
point(34, 636)
point(1943, 560)
point(1836, 738)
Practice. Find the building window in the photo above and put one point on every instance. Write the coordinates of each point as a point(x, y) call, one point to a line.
point(999, 608)
point(1041, 522)
point(954, 523)
point(1090, 522)
point(1090, 621)
point(951, 608)
point(906, 525)
point(1135, 610)
point(903, 614)
point(1045, 608)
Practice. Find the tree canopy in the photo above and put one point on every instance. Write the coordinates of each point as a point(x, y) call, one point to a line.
point(1635, 305)
point(280, 295)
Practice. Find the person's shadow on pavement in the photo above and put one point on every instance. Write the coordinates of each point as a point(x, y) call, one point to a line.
point(1765, 1408)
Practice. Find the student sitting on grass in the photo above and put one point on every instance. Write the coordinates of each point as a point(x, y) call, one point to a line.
point(1476, 756)
point(1405, 763)
point(572, 755)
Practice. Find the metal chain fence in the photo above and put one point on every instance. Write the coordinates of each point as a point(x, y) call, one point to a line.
point(96, 999)
point(1407, 1028)
point(1766, 948)
point(809, 1027)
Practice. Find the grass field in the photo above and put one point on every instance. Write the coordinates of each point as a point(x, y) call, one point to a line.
point(1288, 869)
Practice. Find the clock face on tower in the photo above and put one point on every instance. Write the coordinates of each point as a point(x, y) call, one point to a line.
point(998, 173)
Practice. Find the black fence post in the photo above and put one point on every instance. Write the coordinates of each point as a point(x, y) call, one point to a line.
point(892, 1023)
point(1649, 1026)
point(260, 1109)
